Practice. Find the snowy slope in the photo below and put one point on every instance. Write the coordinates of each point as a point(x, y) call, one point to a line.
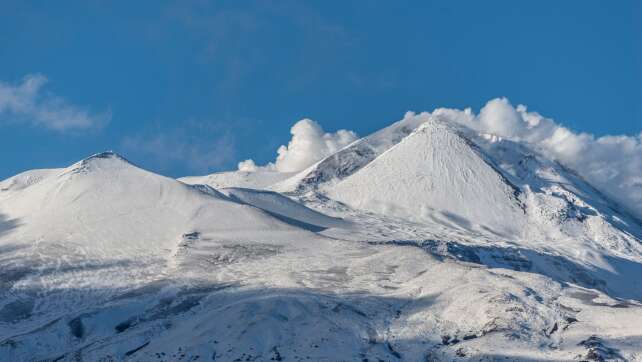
point(284, 207)
point(259, 179)
point(26, 179)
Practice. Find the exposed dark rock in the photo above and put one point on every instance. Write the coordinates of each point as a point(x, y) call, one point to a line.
point(276, 356)
point(76, 327)
point(597, 350)
point(392, 350)
point(131, 352)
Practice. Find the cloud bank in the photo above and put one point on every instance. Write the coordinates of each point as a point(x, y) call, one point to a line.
point(613, 164)
point(309, 144)
point(26, 102)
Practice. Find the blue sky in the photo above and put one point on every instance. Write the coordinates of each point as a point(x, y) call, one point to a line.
point(195, 87)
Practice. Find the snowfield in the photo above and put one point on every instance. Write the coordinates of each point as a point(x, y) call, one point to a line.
point(425, 241)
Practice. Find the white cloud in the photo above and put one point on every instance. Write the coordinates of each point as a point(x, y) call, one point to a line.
point(499, 117)
point(308, 145)
point(613, 164)
point(26, 102)
point(248, 166)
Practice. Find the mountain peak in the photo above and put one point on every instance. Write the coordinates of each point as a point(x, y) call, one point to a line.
point(102, 160)
point(105, 155)
point(434, 172)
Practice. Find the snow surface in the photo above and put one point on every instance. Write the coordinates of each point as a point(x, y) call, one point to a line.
point(425, 241)
point(258, 179)
point(284, 207)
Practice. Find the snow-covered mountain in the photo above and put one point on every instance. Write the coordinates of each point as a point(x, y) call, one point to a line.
point(435, 173)
point(425, 241)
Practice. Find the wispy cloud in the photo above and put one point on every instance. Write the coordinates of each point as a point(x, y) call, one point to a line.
point(199, 147)
point(27, 102)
